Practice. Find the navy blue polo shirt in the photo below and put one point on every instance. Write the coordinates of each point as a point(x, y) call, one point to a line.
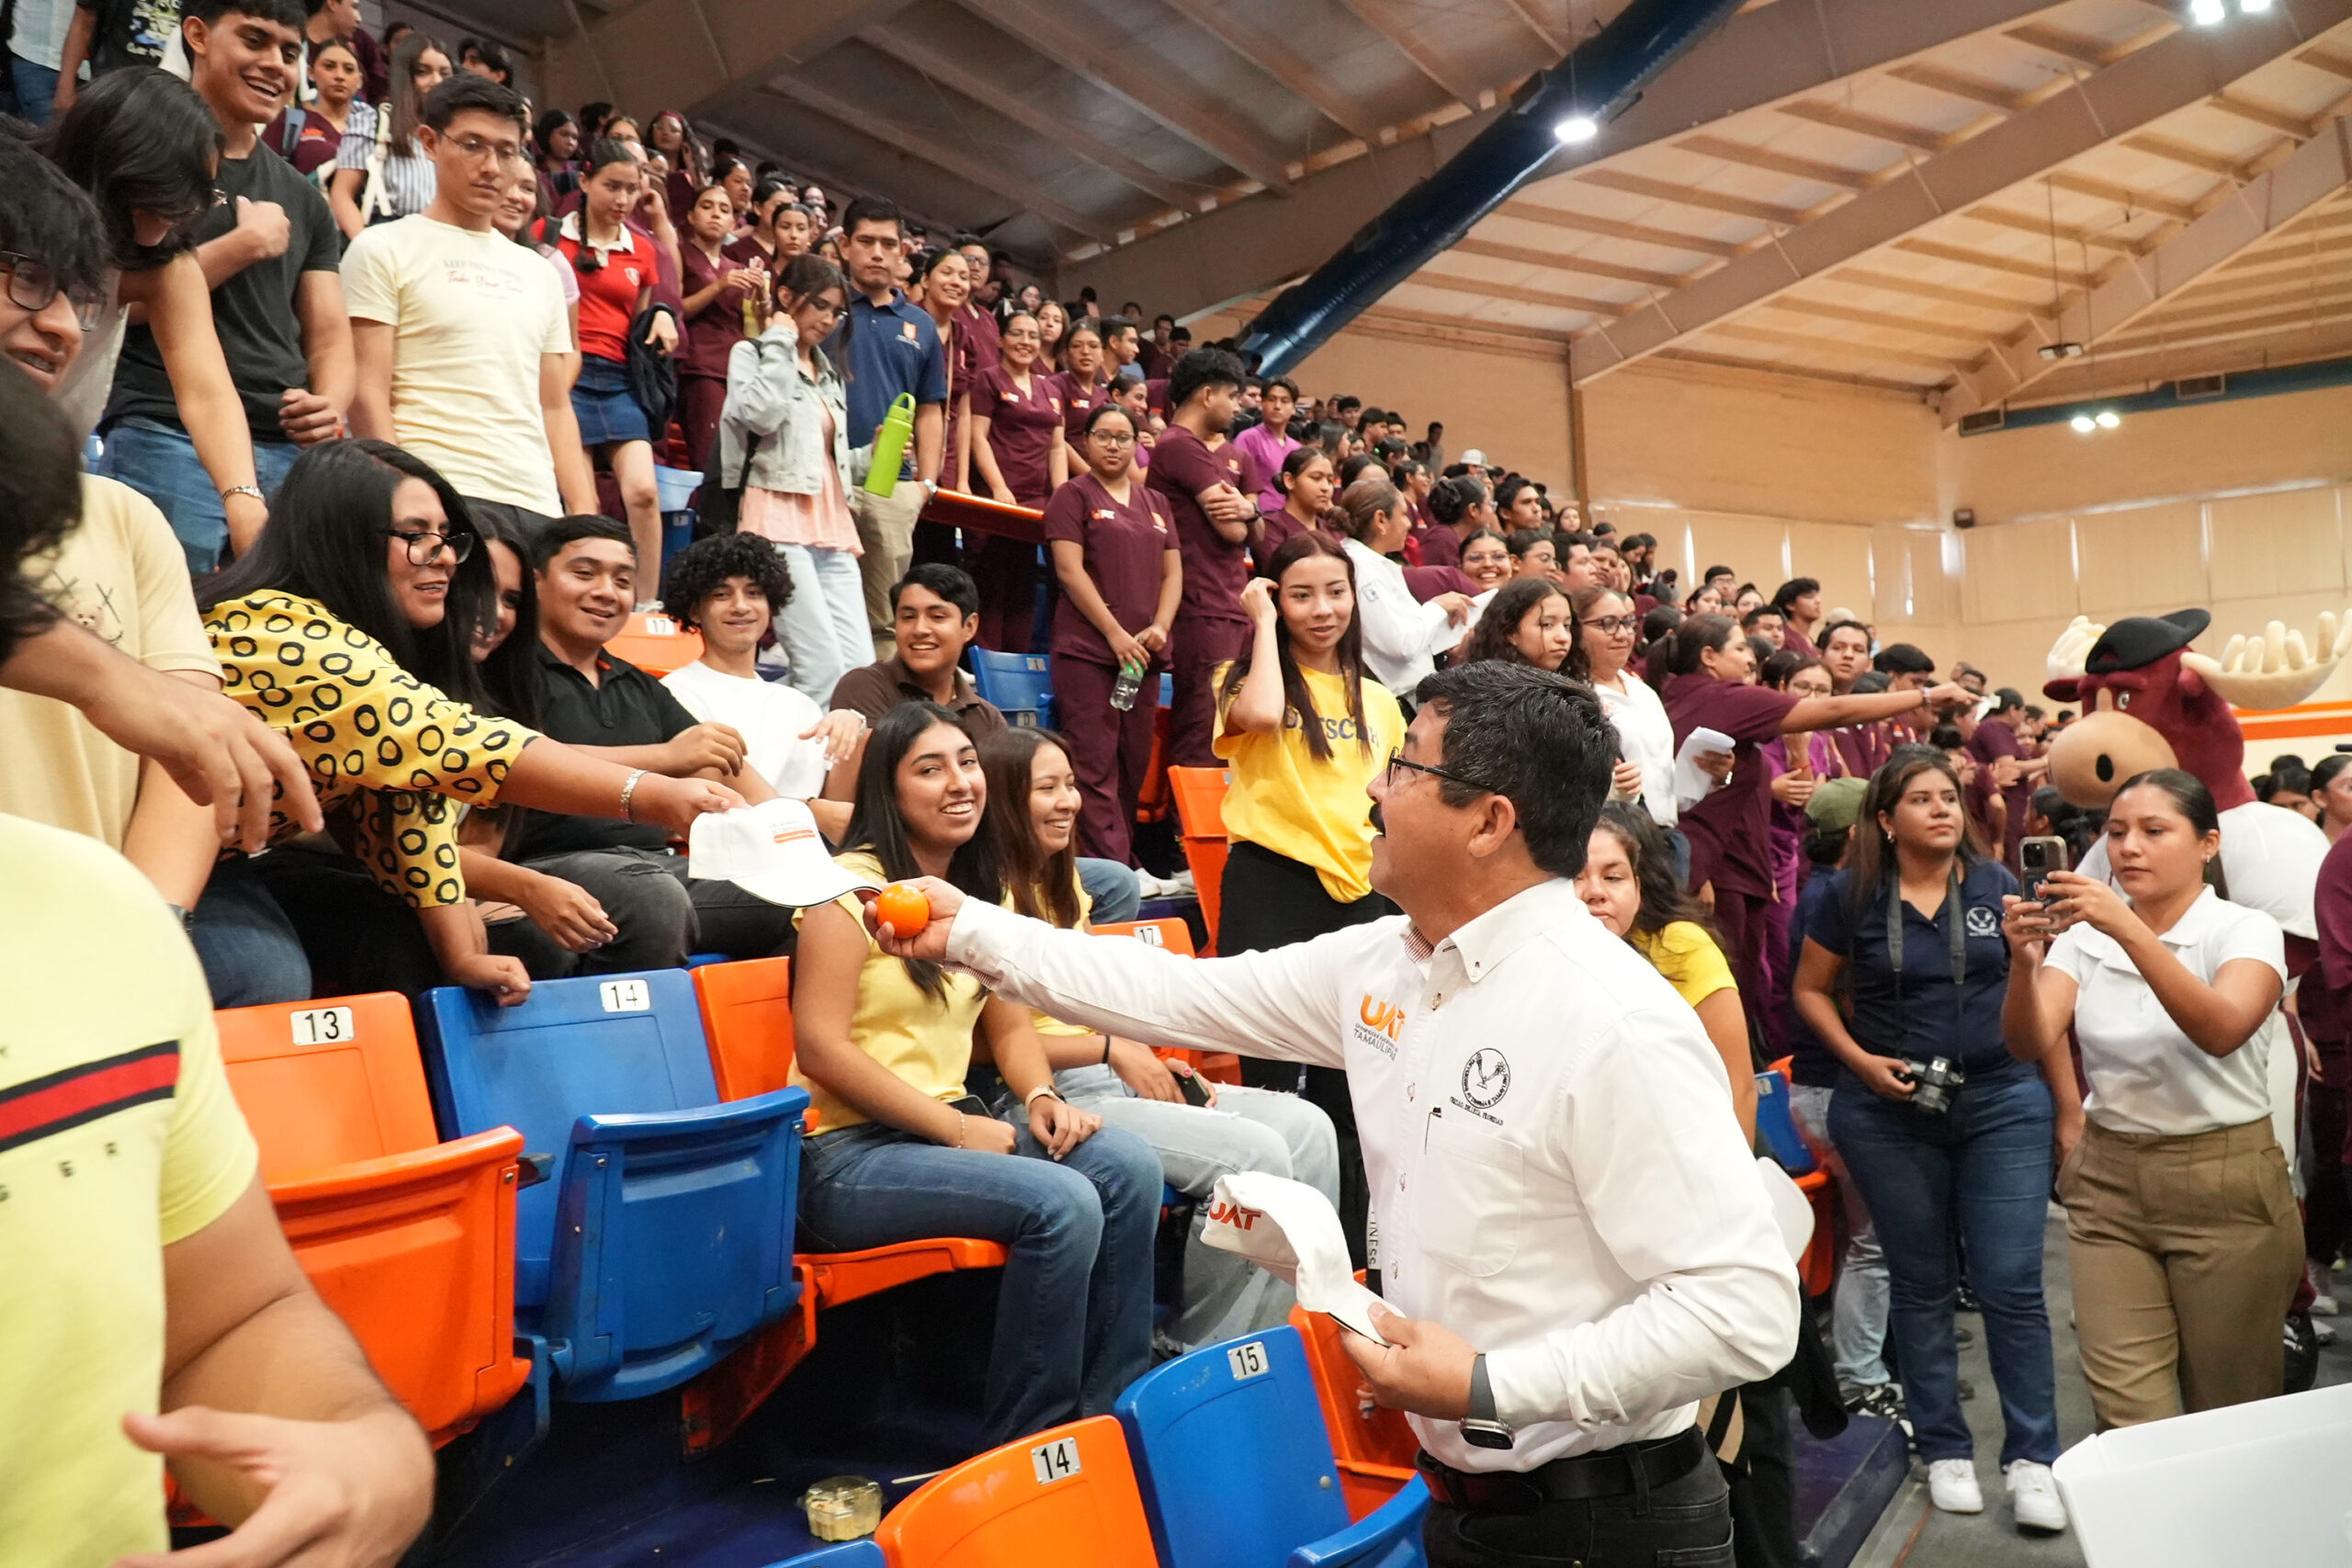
point(884, 351)
point(1810, 1061)
point(1925, 1023)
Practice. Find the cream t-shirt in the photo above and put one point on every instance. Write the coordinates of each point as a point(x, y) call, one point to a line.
point(472, 314)
point(121, 576)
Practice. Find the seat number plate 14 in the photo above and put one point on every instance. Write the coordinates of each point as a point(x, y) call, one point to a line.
point(1056, 1460)
point(626, 996)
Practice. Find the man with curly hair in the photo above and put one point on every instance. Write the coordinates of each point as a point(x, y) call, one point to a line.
point(730, 588)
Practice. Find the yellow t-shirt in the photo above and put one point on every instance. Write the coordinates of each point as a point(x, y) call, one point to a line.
point(121, 576)
point(371, 733)
point(926, 1042)
point(1045, 1024)
point(118, 1137)
point(1688, 959)
point(472, 315)
point(1314, 811)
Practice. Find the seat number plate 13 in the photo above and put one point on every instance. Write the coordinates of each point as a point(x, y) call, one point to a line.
point(626, 996)
point(1056, 1460)
point(323, 1026)
point(1249, 1360)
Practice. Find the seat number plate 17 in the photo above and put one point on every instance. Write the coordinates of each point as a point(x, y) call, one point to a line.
point(323, 1026)
point(626, 996)
point(1249, 1360)
point(1056, 1460)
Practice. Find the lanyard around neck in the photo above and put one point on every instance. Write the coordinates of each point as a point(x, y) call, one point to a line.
point(1958, 933)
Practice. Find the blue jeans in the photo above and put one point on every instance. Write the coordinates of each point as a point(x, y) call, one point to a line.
point(160, 464)
point(249, 950)
point(36, 88)
point(1112, 887)
point(1985, 1161)
point(822, 626)
point(1073, 1322)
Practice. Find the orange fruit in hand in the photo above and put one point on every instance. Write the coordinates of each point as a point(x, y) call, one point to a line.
point(903, 910)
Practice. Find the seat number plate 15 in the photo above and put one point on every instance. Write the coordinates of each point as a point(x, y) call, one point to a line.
point(1056, 1460)
point(1249, 1360)
point(626, 996)
point(323, 1026)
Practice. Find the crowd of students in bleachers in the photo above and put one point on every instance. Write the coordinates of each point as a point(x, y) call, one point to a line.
point(356, 387)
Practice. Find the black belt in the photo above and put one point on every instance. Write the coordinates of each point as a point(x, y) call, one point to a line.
point(1613, 1472)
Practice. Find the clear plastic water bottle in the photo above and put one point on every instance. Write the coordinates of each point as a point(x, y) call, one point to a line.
point(1130, 681)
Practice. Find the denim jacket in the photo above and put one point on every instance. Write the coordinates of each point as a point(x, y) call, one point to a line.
point(770, 396)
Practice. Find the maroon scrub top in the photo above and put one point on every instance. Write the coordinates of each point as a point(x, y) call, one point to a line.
point(1022, 428)
point(1124, 543)
point(1215, 569)
point(1079, 401)
point(1731, 829)
point(718, 326)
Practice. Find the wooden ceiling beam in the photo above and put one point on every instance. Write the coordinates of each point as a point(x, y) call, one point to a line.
point(1640, 233)
point(1917, 138)
point(1382, 18)
point(2068, 234)
point(1814, 343)
point(1731, 151)
point(1690, 196)
point(2234, 170)
point(1607, 309)
point(2122, 195)
point(1236, 26)
point(1913, 389)
point(2014, 266)
point(1560, 261)
point(1915, 326)
point(1556, 30)
point(1960, 85)
point(2265, 115)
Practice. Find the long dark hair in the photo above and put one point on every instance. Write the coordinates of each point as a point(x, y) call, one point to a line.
point(510, 676)
point(1577, 666)
point(877, 825)
point(1664, 899)
point(1299, 700)
point(402, 102)
point(1871, 865)
point(139, 139)
point(1512, 603)
point(326, 541)
point(1044, 885)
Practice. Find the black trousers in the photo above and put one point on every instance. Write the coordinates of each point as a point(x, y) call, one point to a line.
point(1684, 1524)
point(1273, 901)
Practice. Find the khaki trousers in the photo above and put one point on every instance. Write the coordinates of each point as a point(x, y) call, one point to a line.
point(2185, 1252)
point(887, 529)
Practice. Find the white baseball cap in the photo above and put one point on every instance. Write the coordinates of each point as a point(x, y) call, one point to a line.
point(773, 850)
point(1475, 458)
point(1291, 1232)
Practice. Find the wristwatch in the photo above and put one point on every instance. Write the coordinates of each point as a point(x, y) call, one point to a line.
point(1482, 1428)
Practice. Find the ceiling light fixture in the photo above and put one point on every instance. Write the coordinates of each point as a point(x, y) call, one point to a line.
point(2084, 424)
point(2107, 419)
point(1576, 128)
point(2206, 13)
point(2060, 351)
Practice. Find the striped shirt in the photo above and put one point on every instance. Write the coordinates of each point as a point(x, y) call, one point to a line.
point(408, 180)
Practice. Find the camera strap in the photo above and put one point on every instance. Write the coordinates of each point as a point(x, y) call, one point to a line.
point(1958, 931)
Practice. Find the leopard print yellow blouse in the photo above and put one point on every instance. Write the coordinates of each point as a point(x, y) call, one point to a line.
point(373, 734)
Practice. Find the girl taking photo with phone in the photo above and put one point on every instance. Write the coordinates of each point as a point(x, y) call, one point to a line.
point(1936, 1121)
point(2182, 1233)
point(900, 1151)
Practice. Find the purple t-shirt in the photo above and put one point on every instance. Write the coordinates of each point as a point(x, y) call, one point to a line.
point(1125, 542)
point(1730, 828)
point(1215, 568)
point(1441, 546)
point(1265, 447)
point(1022, 428)
point(1994, 739)
point(1080, 399)
point(717, 327)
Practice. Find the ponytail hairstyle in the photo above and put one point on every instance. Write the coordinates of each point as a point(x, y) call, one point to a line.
point(1296, 695)
point(1450, 499)
point(1296, 463)
point(877, 825)
point(1363, 504)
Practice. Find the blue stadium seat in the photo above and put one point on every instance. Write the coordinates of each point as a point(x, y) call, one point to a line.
point(1016, 684)
point(1780, 1129)
point(1235, 1466)
point(1388, 1536)
point(849, 1554)
point(663, 1237)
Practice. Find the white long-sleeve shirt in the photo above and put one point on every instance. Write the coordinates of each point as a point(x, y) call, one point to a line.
point(1402, 636)
point(1553, 1158)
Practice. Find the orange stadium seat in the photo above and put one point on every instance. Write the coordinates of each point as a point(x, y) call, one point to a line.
point(655, 644)
point(1374, 1447)
point(410, 1240)
point(1065, 1497)
point(747, 1019)
point(1200, 811)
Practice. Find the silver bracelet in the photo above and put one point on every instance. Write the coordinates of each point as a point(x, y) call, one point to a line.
point(253, 491)
point(629, 792)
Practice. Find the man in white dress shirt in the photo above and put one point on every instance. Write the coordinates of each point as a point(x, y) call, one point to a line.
point(1570, 1224)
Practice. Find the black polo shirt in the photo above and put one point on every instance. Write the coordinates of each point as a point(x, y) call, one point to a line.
point(625, 707)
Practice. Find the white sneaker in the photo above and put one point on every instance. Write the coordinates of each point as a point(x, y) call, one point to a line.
point(2324, 1305)
point(2033, 1495)
point(1951, 1486)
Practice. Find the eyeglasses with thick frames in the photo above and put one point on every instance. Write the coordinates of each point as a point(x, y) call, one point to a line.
point(1610, 626)
point(425, 548)
point(33, 287)
point(1397, 759)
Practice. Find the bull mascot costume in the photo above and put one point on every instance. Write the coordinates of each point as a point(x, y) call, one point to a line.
point(2148, 701)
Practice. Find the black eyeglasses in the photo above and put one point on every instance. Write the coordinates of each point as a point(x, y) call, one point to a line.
point(423, 549)
point(1397, 759)
point(33, 287)
point(1610, 626)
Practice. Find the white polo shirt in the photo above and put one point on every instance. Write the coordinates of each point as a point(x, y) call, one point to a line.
point(1554, 1168)
point(2145, 1075)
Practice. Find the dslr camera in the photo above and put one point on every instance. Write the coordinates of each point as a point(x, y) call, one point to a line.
point(1932, 1082)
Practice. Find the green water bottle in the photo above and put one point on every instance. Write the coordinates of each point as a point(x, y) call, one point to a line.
point(890, 446)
